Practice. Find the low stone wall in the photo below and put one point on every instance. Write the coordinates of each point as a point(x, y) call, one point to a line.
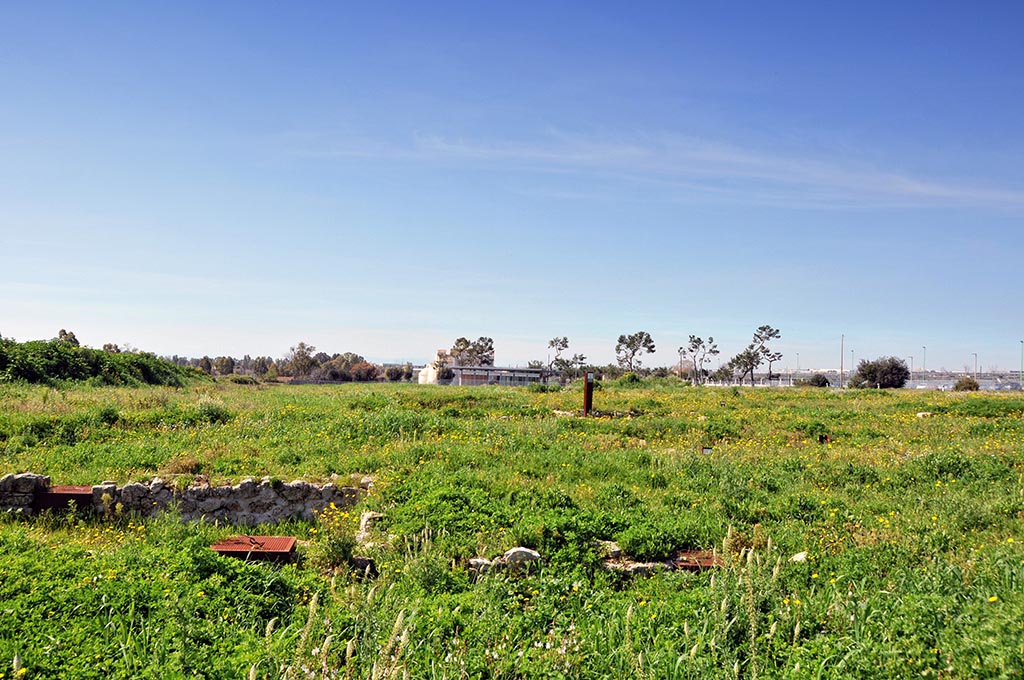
point(247, 503)
point(18, 492)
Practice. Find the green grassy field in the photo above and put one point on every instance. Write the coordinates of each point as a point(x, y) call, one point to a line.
point(912, 527)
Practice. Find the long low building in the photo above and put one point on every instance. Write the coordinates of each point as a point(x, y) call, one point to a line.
point(430, 374)
point(496, 375)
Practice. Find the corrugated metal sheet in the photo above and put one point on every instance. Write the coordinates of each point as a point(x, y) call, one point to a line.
point(267, 548)
point(698, 560)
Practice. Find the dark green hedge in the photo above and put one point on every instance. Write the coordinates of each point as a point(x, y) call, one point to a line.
point(53, 361)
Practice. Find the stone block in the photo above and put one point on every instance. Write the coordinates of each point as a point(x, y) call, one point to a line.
point(520, 555)
point(295, 491)
point(13, 499)
point(368, 519)
point(28, 482)
point(108, 489)
point(135, 496)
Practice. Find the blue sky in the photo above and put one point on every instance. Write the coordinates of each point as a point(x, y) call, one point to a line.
point(233, 178)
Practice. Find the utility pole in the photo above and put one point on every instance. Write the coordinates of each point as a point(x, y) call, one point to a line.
point(842, 355)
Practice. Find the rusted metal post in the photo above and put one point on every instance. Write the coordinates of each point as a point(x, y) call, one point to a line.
point(588, 395)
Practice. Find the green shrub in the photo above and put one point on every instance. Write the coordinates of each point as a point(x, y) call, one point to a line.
point(108, 415)
point(630, 380)
point(55, 361)
point(718, 428)
point(334, 538)
point(816, 380)
point(212, 412)
point(650, 540)
point(881, 373)
point(966, 384)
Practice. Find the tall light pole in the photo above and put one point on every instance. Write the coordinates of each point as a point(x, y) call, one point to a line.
point(842, 355)
point(975, 366)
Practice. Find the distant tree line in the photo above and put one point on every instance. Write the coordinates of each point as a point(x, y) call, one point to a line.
point(882, 373)
point(693, 359)
point(303, 362)
point(64, 359)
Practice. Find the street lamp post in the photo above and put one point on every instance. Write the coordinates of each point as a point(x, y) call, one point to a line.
point(975, 366)
point(842, 355)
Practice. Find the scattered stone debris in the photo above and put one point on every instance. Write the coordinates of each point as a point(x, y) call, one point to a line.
point(365, 566)
point(631, 568)
point(518, 558)
point(479, 565)
point(799, 557)
point(596, 414)
point(924, 414)
point(368, 519)
point(514, 559)
point(366, 522)
point(685, 560)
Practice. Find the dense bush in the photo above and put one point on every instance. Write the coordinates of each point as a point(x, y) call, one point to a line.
point(881, 373)
point(966, 384)
point(816, 380)
point(55, 361)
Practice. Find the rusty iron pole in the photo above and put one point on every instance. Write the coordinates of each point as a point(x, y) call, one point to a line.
point(588, 395)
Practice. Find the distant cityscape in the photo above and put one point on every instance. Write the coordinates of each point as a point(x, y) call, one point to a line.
point(922, 380)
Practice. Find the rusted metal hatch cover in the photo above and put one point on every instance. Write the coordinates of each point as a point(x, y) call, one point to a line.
point(696, 560)
point(60, 498)
point(267, 548)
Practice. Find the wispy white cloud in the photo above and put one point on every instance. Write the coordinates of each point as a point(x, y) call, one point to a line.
point(691, 168)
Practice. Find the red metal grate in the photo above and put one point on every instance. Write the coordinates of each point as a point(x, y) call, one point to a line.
point(697, 560)
point(60, 498)
point(267, 548)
